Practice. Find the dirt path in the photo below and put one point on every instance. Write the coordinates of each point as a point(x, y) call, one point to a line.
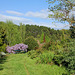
point(26, 70)
point(40, 46)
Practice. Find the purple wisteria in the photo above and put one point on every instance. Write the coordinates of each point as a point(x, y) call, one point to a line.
point(12, 49)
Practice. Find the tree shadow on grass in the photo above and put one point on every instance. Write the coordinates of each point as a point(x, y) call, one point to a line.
point(2, 60)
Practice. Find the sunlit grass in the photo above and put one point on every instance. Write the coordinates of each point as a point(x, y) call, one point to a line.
point(20, 64)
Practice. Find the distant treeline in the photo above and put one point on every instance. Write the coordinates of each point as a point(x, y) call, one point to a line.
point(11, 34)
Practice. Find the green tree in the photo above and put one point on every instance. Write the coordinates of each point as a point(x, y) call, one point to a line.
point(72, 29)
point(12, 33)
point(22, 29)
point(3, 40)
point(69, 56)
point(31, 42)
point(8, 31)
point(42, 37)
point(61, 9)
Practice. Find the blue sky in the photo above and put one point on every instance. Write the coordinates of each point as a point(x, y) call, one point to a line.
point(28, 12)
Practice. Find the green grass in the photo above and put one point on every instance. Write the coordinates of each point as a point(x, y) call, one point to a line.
point(20, 64)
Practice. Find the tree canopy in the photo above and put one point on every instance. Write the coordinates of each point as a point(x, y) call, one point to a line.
point(63, 10)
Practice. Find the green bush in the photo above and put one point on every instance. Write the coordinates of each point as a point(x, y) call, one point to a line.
point(3, 48)
point(30, 52)
point(72, 29)
point(32, 43)
point(52, 45)
point(1, 67)
point(69, 60)
point(47, 45)
point(66, 57)
point(41, 50)
point(33, 54)
point(46, 57)
point(58, 59)
point(36, 53)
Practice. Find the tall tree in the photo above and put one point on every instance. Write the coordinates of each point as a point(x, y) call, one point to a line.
point(22, 32)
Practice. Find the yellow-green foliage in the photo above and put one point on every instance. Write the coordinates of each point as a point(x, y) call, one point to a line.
point(42, 37)
point(3, 48)
point(46, 57)
point(34, 53)
point(52, 45)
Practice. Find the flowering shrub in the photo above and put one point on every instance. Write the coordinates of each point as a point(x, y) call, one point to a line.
point(16, 47)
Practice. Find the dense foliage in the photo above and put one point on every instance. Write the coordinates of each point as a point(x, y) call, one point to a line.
point(72, 29)
point(52, 46)
point(62, 10)
point(69, 56)
point(11, 34)
point(46, 58)
point(32, 43)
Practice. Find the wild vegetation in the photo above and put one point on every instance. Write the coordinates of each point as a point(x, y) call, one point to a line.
point(49, 50)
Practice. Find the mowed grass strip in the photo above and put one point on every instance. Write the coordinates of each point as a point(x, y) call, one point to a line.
point(13, 65)
point(20, 64)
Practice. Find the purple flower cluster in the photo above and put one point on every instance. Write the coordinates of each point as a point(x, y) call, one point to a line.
point(16, 47)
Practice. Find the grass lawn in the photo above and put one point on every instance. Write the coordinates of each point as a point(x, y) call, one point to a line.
point(20, 64)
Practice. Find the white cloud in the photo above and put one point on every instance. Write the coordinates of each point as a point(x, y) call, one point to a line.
point(42, 14)
point(14, 12)
point(14, 19)
point(36, 14)
point(55, 25)
point(18, 20)
point(72, 13)
point(61, 26)
point(73, 8)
